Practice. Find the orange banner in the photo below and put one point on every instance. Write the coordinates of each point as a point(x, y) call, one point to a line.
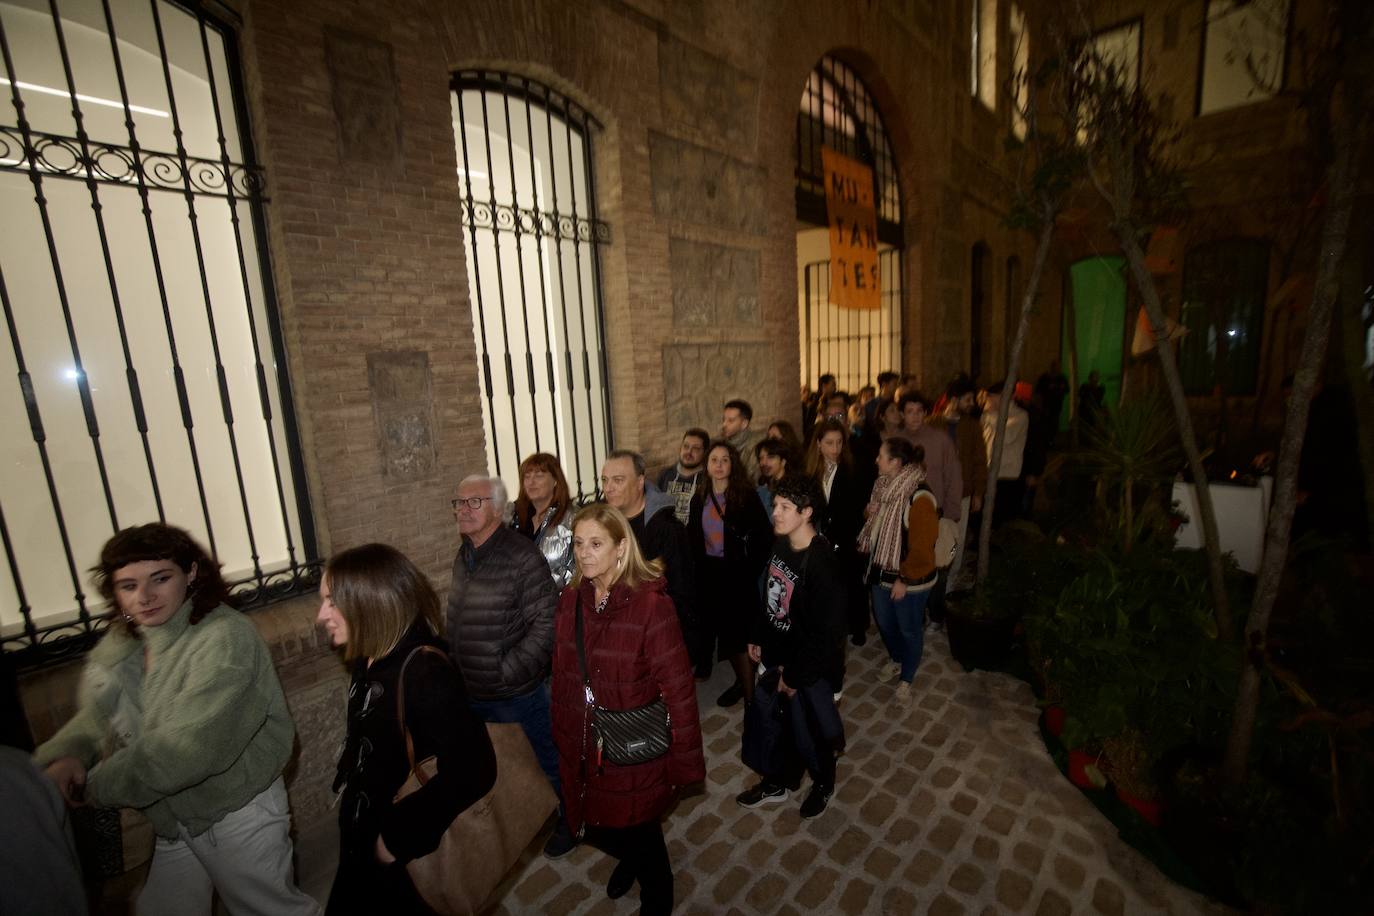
point(855, 282)
point(1143, 341)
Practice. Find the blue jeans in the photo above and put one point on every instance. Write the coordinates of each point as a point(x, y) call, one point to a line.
point(902, 625)
point(532, 712)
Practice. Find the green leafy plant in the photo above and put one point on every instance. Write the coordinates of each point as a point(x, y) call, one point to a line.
point(1031, 570)
point(1129, 648)
point(1133, 455)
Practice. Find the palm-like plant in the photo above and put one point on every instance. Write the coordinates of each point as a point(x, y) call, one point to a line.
point(1135, 447)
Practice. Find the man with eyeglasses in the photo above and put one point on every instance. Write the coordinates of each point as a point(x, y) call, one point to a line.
point(500, 625)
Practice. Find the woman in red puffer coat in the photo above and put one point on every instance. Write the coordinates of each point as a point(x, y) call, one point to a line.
point(634, 655)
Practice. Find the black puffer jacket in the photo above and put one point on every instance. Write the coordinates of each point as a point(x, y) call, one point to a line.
point(500, 616)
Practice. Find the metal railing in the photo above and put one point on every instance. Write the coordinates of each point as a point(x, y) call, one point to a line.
point(168, 335)
point(532, 236)
point(852, 345)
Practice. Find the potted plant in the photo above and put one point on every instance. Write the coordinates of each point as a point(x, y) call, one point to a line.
point(980, 631)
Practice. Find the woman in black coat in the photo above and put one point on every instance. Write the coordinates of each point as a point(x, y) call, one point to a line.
point(382, 611)
point(829, 462)
point(730, 536)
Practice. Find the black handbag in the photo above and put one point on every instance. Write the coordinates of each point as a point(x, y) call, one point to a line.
point(624, 736)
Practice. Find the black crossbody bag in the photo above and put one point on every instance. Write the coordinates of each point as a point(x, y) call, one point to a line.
point(624, 736)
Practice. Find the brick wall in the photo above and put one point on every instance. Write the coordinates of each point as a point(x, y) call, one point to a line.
point(694, 170)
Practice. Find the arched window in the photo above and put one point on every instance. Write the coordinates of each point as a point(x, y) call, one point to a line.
point(837, 111)
point(530, 236)
point(141, 319)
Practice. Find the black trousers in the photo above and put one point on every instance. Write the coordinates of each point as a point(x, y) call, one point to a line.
point(641, 847)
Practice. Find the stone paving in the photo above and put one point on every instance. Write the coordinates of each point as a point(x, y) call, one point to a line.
point(949, 806)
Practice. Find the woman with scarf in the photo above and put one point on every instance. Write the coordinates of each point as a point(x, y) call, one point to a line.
point(543, 513)
point(899, 538)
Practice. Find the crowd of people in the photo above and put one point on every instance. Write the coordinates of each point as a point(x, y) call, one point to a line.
point(586, 626)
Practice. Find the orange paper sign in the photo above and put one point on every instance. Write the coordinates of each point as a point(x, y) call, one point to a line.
point(855, 282)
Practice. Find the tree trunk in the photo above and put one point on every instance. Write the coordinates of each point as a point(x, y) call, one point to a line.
point(1352, 356)
point(1071, 317)
point(1168, 364)
point(1042, 253)
point(1340, 185)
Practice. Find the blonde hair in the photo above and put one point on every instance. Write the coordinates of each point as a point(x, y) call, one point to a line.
point(380, 593)
point(636, 570)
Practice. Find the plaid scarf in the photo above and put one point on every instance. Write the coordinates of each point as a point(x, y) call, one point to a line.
point(883, 534)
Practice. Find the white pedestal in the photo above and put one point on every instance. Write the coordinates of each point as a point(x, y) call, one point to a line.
point(1242, 514)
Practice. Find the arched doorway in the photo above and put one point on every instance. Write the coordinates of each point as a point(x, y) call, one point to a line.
point(838, 111)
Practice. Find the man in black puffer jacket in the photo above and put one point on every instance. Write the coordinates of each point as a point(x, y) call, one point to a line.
point(500, 625)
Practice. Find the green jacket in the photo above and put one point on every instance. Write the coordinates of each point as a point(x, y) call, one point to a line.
point(196, 737)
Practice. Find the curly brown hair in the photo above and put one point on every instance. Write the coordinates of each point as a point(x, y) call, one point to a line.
point(158, 541)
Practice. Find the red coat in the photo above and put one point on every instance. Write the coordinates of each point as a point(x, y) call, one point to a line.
point(635, 653)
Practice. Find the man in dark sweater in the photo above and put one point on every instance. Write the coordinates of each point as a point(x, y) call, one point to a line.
point(680, 481)
point(660, 536)
point(800, 641)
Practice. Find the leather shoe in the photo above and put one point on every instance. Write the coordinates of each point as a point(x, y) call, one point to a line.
point(560, 842)
point(733, 694)
point(622, 879)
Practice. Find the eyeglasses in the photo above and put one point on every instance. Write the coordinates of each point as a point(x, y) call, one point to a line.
point(472, 502)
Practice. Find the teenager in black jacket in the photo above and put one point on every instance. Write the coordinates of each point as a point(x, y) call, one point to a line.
point(799, 639)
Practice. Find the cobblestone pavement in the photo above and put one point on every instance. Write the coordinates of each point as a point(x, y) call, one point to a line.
point(951, 805)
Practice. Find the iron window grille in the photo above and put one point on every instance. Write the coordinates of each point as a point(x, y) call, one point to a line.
point(532, 237)
point(838, 111)
point(140, 315)
point(852, 345)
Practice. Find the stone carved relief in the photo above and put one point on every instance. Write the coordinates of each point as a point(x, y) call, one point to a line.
point(704, 91)
point(713, 284)
point(402, 406)
point(699, 378)
point(367, 110)
point(701, 186)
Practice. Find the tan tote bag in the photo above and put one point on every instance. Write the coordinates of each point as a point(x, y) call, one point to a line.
point(486, 839)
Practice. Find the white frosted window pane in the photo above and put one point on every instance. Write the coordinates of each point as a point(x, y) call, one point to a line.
point(1244, 53)
point(213, 278)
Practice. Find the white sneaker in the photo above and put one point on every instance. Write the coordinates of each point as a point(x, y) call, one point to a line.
point(889, 671)
point(902, 694)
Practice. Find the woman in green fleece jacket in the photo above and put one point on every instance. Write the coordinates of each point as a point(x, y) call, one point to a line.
point(181, 716)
